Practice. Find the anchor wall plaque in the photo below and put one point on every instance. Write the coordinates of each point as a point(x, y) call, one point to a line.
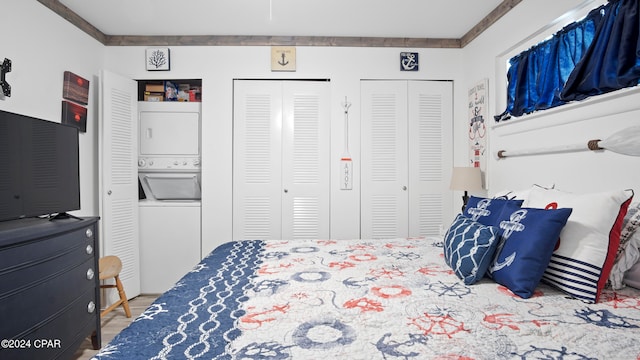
point(283, 58)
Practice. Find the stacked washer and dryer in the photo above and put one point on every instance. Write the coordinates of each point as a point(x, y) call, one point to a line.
point(169, 207)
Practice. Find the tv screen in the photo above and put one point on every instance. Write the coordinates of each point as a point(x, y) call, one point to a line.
point(39, 167)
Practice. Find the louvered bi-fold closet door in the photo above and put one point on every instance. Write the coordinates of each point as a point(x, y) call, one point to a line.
point(384, 201)
point(430, 156)
point(305, 160)
point(406, 144)
point(118, 148)
point(281, 160)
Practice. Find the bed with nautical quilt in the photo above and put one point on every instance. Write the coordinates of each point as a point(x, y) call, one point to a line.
point(448, 297)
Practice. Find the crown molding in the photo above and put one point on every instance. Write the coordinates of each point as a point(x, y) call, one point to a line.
point(240, 40)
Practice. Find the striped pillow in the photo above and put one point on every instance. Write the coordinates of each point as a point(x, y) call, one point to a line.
point(582, 262)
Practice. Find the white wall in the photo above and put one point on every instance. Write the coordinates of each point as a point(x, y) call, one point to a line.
point(218, 66)
point(42, 46)
point(595, 118)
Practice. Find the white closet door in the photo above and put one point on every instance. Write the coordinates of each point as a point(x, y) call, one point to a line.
point(281, 160)
point(384, 201)
point(430, 155)
point(257, 172)
point(406, 157)
point(305, 160)
point(118, 177)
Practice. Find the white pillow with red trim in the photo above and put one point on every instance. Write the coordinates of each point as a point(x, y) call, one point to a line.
point(582, 261)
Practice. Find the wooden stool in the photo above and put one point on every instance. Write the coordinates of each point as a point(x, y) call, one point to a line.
point(110, 267)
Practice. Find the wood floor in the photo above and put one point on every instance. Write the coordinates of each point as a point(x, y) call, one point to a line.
point(113, 322)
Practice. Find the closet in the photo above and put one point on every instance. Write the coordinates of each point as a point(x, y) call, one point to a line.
point(407, 146)
point(121, 210)
point(281, 154)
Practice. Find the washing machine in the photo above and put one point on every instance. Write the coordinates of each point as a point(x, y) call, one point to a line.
point(169, 242)
point(170, 188)
point(170, 228)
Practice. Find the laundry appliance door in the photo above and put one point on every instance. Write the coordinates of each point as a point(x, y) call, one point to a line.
point(171, 186)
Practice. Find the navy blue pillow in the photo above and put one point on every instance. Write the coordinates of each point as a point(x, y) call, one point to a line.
point(487, 211)
point(529, 237)
point(469, 248)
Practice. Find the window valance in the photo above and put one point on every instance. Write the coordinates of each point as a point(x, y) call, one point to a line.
point(598, 54)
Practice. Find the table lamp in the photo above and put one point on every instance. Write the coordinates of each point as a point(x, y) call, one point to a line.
point(466, 179)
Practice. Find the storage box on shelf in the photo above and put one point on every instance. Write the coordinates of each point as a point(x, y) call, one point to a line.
point(187, 90)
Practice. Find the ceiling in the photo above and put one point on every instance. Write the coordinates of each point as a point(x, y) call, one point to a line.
point(439, 23)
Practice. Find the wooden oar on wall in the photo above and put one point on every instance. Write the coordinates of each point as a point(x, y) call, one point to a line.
point(625, 141)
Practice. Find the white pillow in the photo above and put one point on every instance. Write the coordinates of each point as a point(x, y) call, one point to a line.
point(519, 194)
point(582, 261)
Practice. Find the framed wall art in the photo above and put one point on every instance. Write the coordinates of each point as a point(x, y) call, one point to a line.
point(158, 59)
point(409, 61)
point(476, 121)
point(74, 115)
point(75, 88)
point(283, 58)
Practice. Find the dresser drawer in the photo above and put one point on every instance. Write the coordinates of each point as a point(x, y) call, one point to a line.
point(37, 303)
point(45, 262)
point(61, 333)
point(43, 249)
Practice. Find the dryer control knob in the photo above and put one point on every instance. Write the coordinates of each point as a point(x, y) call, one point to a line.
point(142, 163)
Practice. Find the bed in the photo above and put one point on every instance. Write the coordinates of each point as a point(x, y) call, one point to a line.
point(405, 298)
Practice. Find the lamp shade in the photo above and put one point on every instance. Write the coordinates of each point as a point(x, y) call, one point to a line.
point(466, 179)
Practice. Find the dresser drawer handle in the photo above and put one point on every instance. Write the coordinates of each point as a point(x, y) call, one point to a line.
point(89, 233)
point(91, 307)
point(90, 274)
point(89, 249)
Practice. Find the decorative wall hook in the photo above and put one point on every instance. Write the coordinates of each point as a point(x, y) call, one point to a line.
point(4, 69)
point(346, 105)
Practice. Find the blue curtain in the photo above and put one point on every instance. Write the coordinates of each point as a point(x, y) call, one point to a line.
point(536, 76)
point(612, 62)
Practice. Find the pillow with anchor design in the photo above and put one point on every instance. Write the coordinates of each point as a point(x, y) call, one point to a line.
point(529, 237)
point(486, 211)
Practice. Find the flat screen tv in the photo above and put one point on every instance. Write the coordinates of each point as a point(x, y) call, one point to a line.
point(39, 167)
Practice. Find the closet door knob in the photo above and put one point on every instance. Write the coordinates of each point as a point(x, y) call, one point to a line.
point(286, 191)
point(404, 188)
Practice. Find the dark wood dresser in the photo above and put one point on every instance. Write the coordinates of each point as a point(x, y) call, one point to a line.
point(49, 287)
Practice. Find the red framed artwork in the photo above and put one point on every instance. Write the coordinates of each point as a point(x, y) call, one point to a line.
point(74, 115)
point(75, 88)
